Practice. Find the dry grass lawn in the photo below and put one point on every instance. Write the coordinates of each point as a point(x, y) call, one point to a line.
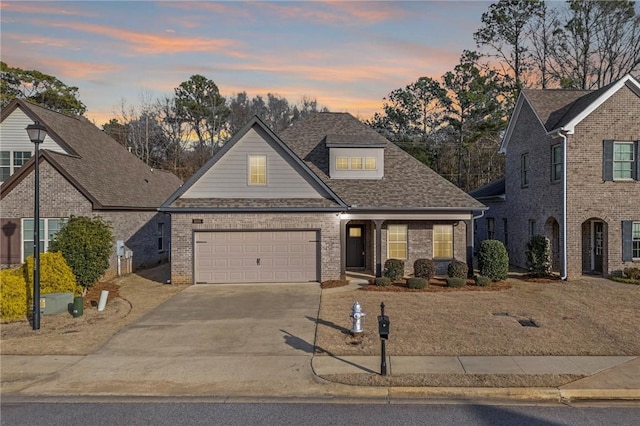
point(595, 317)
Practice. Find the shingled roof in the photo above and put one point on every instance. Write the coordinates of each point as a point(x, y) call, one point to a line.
point(407, 183)
point(98, 166)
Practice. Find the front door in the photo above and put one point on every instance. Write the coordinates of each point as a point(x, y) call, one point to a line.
point(598, 245)
point(355, 246)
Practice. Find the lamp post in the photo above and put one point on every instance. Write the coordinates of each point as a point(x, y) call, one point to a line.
point(37, 133)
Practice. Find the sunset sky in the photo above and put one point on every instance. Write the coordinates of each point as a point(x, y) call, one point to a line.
point(347, 55)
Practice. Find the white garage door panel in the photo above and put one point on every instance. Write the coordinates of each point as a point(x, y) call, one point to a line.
point(232, 257)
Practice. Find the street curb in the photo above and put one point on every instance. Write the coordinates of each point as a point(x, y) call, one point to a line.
point(573, 395)
point(514, 394)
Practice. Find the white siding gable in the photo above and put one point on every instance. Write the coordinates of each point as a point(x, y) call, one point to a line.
point(228, 177)
point(13, 136)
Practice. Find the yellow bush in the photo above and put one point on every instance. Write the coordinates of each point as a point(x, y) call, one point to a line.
point(55, 275)
point(13, 295)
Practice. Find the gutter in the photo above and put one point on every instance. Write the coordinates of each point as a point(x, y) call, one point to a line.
point(563, 134)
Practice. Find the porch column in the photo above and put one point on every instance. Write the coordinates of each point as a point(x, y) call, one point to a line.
point(378, 224)
point(470, 244)
point(343, 248)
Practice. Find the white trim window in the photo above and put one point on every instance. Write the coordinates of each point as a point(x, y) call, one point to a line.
point(257, 170)
point(396, 241)
point(356, 163)
point(10, 161)
point(556, 163)
point(443, 241)
point(48, 230)
point(623, 160)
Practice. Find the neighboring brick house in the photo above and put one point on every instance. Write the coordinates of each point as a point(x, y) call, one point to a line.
point(601, 132)
point(83, 172)
point(327, 196)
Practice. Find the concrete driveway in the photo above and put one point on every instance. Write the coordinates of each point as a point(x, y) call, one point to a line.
point(206, 320)
point(219, 341)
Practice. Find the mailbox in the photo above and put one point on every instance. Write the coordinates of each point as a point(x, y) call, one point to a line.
point(383, 326)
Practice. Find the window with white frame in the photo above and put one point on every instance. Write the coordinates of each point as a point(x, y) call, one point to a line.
point(10, 161)
point(356, 163)
point(443, 241)
point(623, 160)
point(524, 170)
point(48, 230)
point(342, 163)
point(396, 241)
point(257, 170)
point(556, 163)
point(635, 240)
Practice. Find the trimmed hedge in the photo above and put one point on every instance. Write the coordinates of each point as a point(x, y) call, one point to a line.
point(539, 256)
point(633, 273)
point(424, 268)
point(493, 260)
point(417, 283)
point(456, 282)
point(482, 281)
point(14, 301)
point(382, 281)
point(394, 269)
point(457, 269)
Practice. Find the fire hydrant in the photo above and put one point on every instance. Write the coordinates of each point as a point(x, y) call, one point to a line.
point(358, 318)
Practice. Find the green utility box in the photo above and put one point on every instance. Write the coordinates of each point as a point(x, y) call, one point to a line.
point(78, 307)
point(55, 303)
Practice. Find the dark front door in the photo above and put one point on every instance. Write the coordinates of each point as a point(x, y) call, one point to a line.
point(355, 246)
point(598, 246)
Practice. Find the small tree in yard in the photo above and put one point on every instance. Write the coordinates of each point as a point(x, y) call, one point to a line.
point(539, 256)
point(86, 245)
point(493, 260)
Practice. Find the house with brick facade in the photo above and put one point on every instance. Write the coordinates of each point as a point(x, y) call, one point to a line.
point(572, 175)
point(83, 172)
point(327, 196)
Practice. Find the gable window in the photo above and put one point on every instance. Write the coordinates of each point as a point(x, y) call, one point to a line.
point(556, 163)
point(257, 169)
point(342, 163)
point(10, 161)
point(491, 228)
point(397, 241)
point(48, 230)
point(160, 236)
point(443, 241)
point(524, 170)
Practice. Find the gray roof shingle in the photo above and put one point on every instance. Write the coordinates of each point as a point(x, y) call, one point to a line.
point(105, 171)
point(407, 183)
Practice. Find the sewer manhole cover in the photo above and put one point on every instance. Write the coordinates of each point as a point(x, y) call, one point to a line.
point(527, 323)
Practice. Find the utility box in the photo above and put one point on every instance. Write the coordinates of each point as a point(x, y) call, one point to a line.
point(55, 303)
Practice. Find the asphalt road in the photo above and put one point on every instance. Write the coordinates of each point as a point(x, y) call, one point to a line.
point(204, 413)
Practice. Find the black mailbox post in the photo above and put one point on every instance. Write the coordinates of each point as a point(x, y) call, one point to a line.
point(383, 330)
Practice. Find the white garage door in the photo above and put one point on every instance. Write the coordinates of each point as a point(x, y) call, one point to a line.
point(256, 256)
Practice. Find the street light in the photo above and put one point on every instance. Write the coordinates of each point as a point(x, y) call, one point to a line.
point(37, 133)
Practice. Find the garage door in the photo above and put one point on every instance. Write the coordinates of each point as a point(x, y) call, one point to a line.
point(256, 256)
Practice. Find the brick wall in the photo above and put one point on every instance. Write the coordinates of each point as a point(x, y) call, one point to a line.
point(60, 199)
point(182, 236)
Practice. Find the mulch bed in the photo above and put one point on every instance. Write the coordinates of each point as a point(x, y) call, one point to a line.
point(532, 279)
point(333, 283)
point(438, 285)
point(92, 297)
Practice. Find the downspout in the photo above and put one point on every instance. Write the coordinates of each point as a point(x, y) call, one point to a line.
point(563, 134)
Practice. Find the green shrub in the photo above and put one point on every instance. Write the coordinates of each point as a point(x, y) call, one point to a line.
point(86, 244)
point(457, 269)
point(14, 300)
point(633, 273)
point(382, 281)
point(424, 268)
point(539, 256)
point(417, 283)
point(493, 260)
point(482, 281)
point(394, 269)
point(55, 275)
point(456, 282)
